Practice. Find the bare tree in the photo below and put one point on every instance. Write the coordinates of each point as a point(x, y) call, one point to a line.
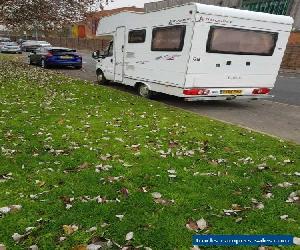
point(45, 15)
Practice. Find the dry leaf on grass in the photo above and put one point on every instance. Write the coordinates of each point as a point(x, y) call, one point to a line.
point(10, 209)
point(202, 224)
point(70, 229)
point(293, 197)
point(196, 225)
point(156, 195)
point(34, 247)
point(129, 236)
point(296, 241)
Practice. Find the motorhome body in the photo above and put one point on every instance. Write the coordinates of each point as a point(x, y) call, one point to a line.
point(195, 51)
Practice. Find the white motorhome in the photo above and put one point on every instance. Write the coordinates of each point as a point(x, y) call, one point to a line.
point(194, 51)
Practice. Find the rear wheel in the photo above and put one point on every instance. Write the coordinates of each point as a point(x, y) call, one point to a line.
point(144, 91)
point(101, 78)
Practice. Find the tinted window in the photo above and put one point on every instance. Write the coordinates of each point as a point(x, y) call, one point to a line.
point(168, 38)
point(58, 51)
point(110, 49)
point(136, 36)
point(241, 41)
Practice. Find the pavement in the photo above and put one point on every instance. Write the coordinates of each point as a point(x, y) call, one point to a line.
point(278, 117)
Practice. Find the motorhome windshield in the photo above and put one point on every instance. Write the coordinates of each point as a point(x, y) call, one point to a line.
point(241, 41)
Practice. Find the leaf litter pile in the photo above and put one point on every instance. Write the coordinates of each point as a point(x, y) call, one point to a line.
point(89, 167)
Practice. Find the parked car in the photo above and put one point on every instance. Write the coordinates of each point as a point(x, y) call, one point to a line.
point(55, 56)
point(31, 45)
point(4, 39)
point(11, 47)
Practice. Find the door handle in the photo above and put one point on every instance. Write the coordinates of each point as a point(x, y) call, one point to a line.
point(111, 60)
point(122, 48)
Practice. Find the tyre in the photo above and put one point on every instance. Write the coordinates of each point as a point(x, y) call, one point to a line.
point(144, 91)
point(44, 64)
point(29, 61)
point(101, 78)
point(78, 67)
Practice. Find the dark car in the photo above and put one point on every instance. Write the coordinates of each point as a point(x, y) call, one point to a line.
point(55, 56)
point(32, 45)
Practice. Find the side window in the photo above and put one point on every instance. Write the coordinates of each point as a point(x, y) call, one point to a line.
point(110, 49)
point(137, 36)
point(169, 38)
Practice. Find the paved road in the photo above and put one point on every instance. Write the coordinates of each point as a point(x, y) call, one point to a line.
point(279, 117)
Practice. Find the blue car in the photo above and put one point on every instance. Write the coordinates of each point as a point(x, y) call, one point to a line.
point(48, 57)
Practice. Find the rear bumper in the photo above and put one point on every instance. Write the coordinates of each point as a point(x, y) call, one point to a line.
point(227, 98)
point(64, 63)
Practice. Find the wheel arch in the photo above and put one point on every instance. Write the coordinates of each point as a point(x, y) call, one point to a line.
point(137, 84)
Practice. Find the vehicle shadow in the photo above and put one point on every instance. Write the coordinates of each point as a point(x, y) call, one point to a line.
point(180, 102)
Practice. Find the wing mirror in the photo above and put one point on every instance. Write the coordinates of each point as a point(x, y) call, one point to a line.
point(98, 54)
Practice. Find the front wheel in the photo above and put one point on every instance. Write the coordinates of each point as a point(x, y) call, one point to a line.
point(29, 60)
point(44, 64)
point(101, 78)
point(144, 91)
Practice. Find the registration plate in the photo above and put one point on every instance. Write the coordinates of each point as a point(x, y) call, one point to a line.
point(66, 57)
point(231, 92)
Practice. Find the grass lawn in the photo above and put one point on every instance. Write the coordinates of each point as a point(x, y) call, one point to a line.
point(89, 165)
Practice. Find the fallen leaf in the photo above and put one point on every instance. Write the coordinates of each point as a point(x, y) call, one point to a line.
point(296, 241)
point(10, 209)
point(202, 224)
point(293, 197)
point(191, 225)
point(34, 247)
point(129, 236)
point(70, 229)
point(156, 195)
point(120, 216)
point(80, 247)
point(92, 229)
point(285, 184)
point(284, 217)
point(17, 237)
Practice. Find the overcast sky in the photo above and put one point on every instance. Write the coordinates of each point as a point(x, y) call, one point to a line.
point(126, 3)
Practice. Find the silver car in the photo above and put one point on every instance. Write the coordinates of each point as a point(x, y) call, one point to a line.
point(11, 48)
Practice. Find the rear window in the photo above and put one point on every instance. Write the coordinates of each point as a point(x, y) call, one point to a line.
point(169, 38)
point(58, 51)
point(241, 41)
point(137, 36)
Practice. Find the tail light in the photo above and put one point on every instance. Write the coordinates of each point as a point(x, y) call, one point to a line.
point(261, 91)
point(196, 91)
point(49, 54)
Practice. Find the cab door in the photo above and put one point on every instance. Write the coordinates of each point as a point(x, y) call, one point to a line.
point(119, 53)
point(106, 62)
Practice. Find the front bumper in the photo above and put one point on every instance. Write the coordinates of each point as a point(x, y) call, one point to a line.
point(227, 98)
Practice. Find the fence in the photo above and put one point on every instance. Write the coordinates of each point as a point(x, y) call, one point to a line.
point(91, 44)
point(291, 59)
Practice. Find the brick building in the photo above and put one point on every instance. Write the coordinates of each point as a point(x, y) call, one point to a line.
point(88, 27)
